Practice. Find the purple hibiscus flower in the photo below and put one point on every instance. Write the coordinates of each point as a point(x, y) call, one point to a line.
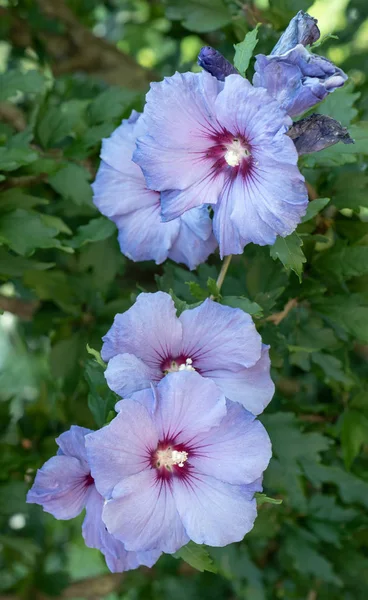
point(186, 469)
point(223, 144)
point(64, 486)
point(149, 341)
point(291, 74)
point(120, 193)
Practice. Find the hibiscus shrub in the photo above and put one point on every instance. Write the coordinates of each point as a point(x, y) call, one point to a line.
point(161, 482)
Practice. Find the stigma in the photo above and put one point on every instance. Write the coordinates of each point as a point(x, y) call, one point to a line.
point(169, 457)
point(235, 153)
point(175, 366)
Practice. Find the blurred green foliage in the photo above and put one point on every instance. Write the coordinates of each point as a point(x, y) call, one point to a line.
point(69, 72)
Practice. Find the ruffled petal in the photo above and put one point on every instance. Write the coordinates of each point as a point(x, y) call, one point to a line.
point(214, 512)
point(121, 448)
point(96, 535)
point(142, 514)
point(60, 487)
point(219, 337)
point(253, 113)
point(237, 451)
point(126, 561)
point(187, 404)
point(126, 374)
point(143, 235)
point(94, 530)
point(149, 329)
point(71, 443)
point(251, 387)
point(204, 191)
point(297, 79)
point(195, 240)
point(270, 201)
point(171, 155)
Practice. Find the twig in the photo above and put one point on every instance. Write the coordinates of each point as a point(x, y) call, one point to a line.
point(78, 49)
point(312, 192)
point(276, 318)
point(13, 115)
point(18, 307)
point(23, 181)
point(224, 268)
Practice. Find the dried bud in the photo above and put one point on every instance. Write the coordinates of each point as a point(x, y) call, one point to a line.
point(212, 61)
point(302, 29)
point(317, 132)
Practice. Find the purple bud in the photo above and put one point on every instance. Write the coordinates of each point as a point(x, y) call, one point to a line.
point(317, 132)
point(302, 29)
point(214, 63)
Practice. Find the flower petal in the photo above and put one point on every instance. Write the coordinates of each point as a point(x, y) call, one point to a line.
point(60, 487)
point(171, 155)
point(95, 535)
point(149, 329)
point(237, 451)
point(270, 202)
point(195, 240)
point(187, 404)
point(252, 112)
point(219, 337)
point(126, 374)
point(126, 560)
point(121, 448)
point(142, 514)
point(251, 387)
point(71, 443)
point(214, 512)
point(204, 191)
point(93, 529)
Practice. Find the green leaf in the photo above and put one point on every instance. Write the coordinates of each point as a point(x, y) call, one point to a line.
point(110, 105)
point(332, 367)
point(38, 235)
point(15, 266)
point(95, 231)
point(340, 105)
point(197, 557)
point(252, 308)
point(199, 15)
point(72, 182)
point(12, 82)
point(307, 560)
point(351, 190)
point(97, 356)
point(212, 287)
point(55, 286)
point(13, 158)
point(16, 198)
point(57, 122)
point(354, 434)
point(289, 251)
point(348, 312)
point(341, 154)
point(197, 292)
point(100, 399)
point(314, 207)
point(343, 262)
point(244, 50)
point(264, 499)
point(351, 488)
point(180, 305)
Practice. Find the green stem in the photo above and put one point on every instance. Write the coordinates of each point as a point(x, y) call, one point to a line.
point(222, 274)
